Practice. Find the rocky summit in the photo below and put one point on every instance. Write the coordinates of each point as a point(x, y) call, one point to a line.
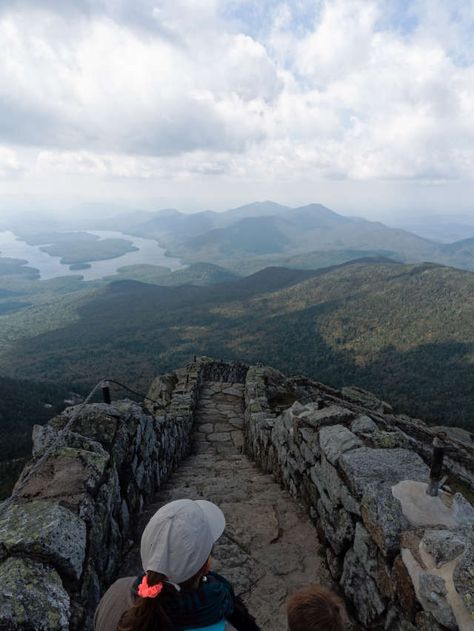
point(317, 485)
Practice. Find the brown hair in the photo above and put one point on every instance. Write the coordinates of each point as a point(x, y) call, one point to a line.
point(148, 614)
point(315, 609)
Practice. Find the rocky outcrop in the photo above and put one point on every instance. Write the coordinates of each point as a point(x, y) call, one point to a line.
point(399, 555)
point(402, 559)
point(65, 534)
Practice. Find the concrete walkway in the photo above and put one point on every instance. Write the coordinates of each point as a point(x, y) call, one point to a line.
point(269, 548)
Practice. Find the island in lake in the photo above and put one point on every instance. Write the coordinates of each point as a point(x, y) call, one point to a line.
point(79, 248)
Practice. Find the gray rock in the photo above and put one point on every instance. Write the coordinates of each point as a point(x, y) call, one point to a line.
point(464, 575)
point(32, 597)
point(67, 475)
point(47, 531)
point(456, 433)
point(365, 550)
point(161, 392)
point(309, 454)
point(361, 590)
point(443, 545)
point(364, 466)
point(463, 511)
point(336, 440)
point(364, 425)
point(98, 421)
point(327, 481)
point(432, 592)
point(426, 622)
point(334, 563)
point(383, 517)
point(313, 417)
point(219, 437)
point(389, 440)
point(367, 399)
point(337, 526)
point(394, 621)
point(44, 436)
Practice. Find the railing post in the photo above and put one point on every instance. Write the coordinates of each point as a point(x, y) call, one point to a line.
point(436, 471)
point(106, 392)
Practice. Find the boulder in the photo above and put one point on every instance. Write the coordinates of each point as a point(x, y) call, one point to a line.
point(32, 597)
point(383, 517)
point(388, 466)
point(426, 622)
point(312, 416)
point(404, 588)
point(98, 421)
point(336, 440)
point(464, 575)
point(44, 436)
point(394, 621)
point(46, 531)
point(432, 593)
point(463, 511)
point(336, 526)
point(365, 550)
point(361, 589)
point(329, 485)
point(389, 440)
point(67, 475)
point(366, 399)
point(443, 545)
point(363, 425)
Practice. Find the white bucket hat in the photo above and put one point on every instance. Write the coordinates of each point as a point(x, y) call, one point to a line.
point(178, 539)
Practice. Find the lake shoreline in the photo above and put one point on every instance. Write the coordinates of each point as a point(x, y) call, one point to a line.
point(145, 251)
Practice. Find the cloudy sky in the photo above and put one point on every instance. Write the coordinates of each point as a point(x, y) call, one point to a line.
point(365, 105)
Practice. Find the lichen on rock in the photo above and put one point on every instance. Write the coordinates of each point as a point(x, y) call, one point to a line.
point(32, 596)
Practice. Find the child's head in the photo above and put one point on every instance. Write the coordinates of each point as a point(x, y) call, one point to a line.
point(315, 608)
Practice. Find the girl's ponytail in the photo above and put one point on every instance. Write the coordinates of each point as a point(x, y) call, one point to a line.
point(147, 614)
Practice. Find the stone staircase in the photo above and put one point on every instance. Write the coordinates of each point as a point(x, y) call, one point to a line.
point(269, 548)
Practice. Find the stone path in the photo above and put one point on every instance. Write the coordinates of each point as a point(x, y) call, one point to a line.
point(269, 548)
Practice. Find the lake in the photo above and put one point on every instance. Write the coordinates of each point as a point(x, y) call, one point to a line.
point(148, 252)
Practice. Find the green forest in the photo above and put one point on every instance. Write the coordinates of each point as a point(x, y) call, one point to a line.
point(403, 331)
point(22, 405)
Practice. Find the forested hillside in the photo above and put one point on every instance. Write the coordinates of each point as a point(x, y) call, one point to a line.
point(23, 404)
point(404, 331)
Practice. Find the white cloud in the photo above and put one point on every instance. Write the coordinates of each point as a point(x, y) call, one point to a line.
point(9, 163)
point(177, 89)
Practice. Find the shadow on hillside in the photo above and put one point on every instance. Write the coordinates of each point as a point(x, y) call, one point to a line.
point(133, 332)
point(433, 381)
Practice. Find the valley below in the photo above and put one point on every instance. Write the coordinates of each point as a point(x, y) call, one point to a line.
point(344, 301)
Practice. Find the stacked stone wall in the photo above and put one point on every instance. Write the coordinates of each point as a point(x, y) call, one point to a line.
point(228, 372)
point(62, 540)
point(345, 456)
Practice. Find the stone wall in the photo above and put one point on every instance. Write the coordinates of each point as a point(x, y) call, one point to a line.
point(62, 539)
point(402, 558)
point(229, 372)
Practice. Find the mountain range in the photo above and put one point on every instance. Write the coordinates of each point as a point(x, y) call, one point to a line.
point(260, 234)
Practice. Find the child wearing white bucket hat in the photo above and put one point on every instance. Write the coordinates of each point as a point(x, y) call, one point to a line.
point(177, 591)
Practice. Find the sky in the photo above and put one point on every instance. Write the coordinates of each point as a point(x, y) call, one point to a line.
point(366, 106)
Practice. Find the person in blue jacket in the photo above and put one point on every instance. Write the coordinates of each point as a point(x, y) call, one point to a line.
point(176, 591)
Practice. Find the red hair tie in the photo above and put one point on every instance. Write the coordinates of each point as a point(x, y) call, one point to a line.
point(149, 591)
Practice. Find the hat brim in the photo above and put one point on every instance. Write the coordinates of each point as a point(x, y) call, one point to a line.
point(215, 518)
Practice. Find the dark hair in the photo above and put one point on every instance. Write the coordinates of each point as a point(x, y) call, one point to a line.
point(315, 609)
point(148, 614)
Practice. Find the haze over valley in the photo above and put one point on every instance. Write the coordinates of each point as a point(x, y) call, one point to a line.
point(343, 299)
